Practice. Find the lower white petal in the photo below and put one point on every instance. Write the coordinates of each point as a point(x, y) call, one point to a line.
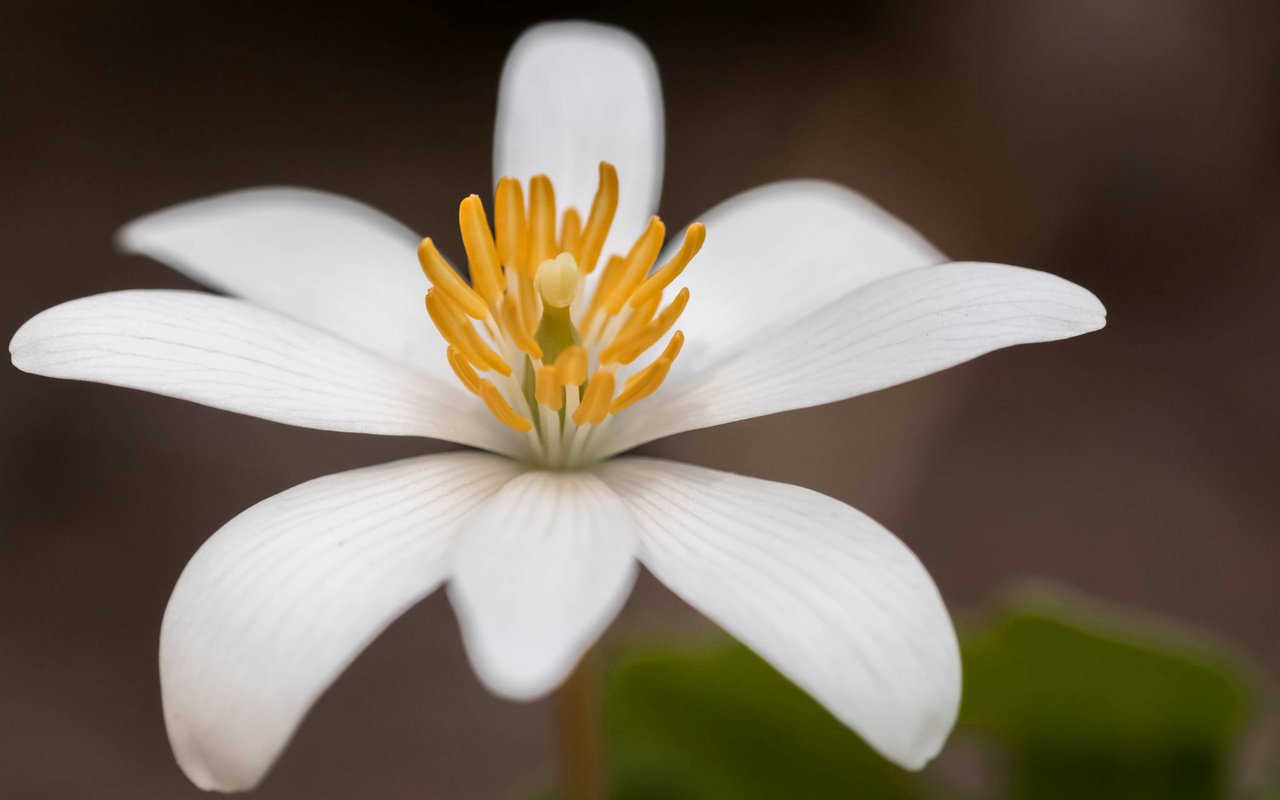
point(540, 571)
point(228, 354)
point(280, 600)
point(897, 329)
point(824, 593)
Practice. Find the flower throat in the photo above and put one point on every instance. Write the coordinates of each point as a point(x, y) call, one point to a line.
point(553, 337)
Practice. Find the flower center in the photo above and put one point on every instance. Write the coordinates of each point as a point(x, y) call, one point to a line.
point(553, 336)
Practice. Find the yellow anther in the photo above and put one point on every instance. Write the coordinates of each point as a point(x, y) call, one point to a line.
point(571, 366)
point(626, 349)
point(653, 285)
point(643, 253)
point(547, 388)
point(501, 409)
point(482, 254)
point(595, 403)
point(557, 280)
point(640, 317)
point(646, 381)
point(528, 301)
point(463, 369)
point(444, 278)
point(612, 273)
point(515, 328)
point(542, 221)
point(570, 231)
point(641, 385)
point(510, 225)
point(459, 333)
point(598, 221)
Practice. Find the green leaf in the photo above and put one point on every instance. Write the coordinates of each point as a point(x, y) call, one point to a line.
point(1089, 701)
point(715, 723)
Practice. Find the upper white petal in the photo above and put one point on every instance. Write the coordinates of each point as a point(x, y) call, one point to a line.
point(899, 328)
point(574, 94)
point(540, 571)
point(326, 260)
point(825, 594)
point(778, 252)
point(228, 354)
point(280, 600)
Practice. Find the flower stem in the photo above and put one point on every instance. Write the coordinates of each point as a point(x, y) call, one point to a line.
point(578, 726)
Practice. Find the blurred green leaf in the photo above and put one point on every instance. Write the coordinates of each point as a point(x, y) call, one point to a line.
point(1075, 700)
point(1093, 702)
point(716, 723)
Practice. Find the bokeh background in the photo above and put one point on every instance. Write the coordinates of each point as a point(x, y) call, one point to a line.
point(1131, 146)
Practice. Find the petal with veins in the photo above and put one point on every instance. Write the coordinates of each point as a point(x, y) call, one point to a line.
point(540, 571)
point(228, 354)
point(574, 94)
point(899, 328)
point(825, 594)
point(280, 600)
point(780, 252)
point(320, 258)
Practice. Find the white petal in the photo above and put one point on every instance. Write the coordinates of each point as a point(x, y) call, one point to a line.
point(225, 353)
point(574, 94)
point(280, 600)
point(540, 572)
point(824, 593)
point(899, 328)
point(326, 260)
point(779, 252)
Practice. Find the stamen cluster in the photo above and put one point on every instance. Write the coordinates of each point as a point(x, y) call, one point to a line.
point(552, 358)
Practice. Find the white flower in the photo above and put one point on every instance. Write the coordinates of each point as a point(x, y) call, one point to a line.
point(804, 293)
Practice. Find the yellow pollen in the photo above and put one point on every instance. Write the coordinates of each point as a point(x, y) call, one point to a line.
point(482, 254)
point(465, 372)
point(595, 403)
point(444, 278)
point(571, 366)
point(548, 389)
point(516, 328)
point(542, 221)
point(501, 408)
point(547, 329)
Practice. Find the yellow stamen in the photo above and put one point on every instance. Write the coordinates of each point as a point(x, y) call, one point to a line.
point(646, 381)
point(571, 366)
point(643, 253)
point(459, 333)
point(463, 369)
point(444, 278)
point(501, 409)
point(542, 221)
point(626, 349)
point(510, 225)
point(517, 330)
point(528, 297)
point(571, 230)
point(653, 285)
point(548, 390)
point(598, 221)
point(595, 403)
point(608, 279)
point(482, 254)
point(557, 280)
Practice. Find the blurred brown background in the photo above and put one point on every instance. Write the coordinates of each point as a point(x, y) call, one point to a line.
point(1130, 146)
